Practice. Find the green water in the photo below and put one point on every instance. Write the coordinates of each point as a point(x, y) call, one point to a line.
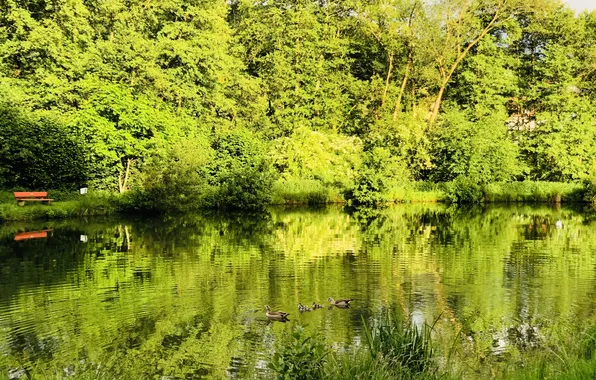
point(183, 297)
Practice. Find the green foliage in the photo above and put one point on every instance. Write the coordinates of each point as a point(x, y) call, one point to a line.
point(464, 189)
point(590, 189)
point(528, 191)
point(406, 347)
point(37, 152)
point(312, 192)
point(203, 104)
point(241, 171)
point(231, 172)
point(327, 157)
point(562, 147)
point(417, 192)
point(174, 178)
point(379, 170)
point(392, 351)
point(479, 150)
point(302, 357)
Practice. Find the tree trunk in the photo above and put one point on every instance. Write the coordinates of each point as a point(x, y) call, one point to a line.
point(388, 78)
point(402, 89)
point(437, 106)
point(460, 57)
point(123, 177)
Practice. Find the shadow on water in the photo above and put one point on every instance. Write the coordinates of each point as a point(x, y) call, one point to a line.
point(183, 295)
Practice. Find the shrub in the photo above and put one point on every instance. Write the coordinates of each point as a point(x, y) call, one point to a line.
point(175, 178)
point(379, 170)
point(479, 149)
point(304, 191)
point(230, 172)
point(240, 171)
point(40, 152)
point(300, 357)
point(330, 158)
point(464, 190)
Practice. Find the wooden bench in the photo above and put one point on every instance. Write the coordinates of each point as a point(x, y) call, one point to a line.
point(31, 196)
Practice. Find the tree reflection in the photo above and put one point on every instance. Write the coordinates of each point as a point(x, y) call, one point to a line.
point(182, 296)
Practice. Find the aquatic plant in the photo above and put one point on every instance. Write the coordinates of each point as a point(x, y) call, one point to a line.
point(300, 357)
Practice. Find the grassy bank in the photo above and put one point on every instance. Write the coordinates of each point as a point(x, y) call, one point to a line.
point(458, 191)
point(64, 206)
point(393, 350)
point(295, 192)
point(529, 191)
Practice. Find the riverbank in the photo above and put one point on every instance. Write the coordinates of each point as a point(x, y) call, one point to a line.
point(302, 192)
point(314, 192)
point(393, 349)
point(88, 205)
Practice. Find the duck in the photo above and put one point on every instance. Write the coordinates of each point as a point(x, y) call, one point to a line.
point(340, 303)
point(280, 315)
point(303, 308)
point(316, 306)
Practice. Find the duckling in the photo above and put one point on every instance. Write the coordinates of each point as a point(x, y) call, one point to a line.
point(340, 303)
point(303, 308)
point(316, 306)
point(278, 315)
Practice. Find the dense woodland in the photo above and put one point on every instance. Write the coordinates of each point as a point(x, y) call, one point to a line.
point(217, 102)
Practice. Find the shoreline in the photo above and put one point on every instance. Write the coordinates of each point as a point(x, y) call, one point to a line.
point(105, 203)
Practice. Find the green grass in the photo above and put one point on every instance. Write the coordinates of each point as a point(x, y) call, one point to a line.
point(393, 350)
point(568, 354)
point(533, 191)
point(87, 205)
point(416, 192)
point(302, 191)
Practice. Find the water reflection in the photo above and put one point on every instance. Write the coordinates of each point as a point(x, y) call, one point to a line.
point(184, 296)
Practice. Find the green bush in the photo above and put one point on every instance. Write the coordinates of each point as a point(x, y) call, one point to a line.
point(174, 178)
point(329, 158)
point(379, 170)
point(38, 152)
point(304, 191)
point(472, 147)
point(301, 357)
point(534, 191)
point(240, 172)
point(232, 171)
point(464, 190)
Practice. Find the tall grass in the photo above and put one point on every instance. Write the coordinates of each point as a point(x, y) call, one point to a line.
point(533, 191)
point(301, 191)
point(393, 350)
point(406, 347)
point(415, 192)
point(569, 354)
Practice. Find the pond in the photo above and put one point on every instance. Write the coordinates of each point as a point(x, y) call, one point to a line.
point(184, 296)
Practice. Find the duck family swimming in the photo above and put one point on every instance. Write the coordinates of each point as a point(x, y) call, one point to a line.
point(302, 308)
point(283, 316)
